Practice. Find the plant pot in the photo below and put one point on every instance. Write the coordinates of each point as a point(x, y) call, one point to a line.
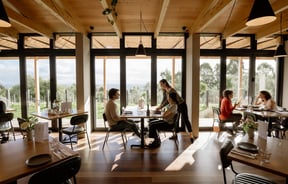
point(250, 133)
point(30, 135)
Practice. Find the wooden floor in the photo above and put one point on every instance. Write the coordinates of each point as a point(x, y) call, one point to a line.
point(190, 163)
point(196, 163)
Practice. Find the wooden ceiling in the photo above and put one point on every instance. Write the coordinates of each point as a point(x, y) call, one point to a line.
point(220, 18)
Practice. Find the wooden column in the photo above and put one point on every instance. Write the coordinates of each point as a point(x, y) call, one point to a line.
point(83, 75)
point(193, 80)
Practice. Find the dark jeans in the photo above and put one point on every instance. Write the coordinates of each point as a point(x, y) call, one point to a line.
point(155, 126)
point(234, 117)
point(182, 109)
point(129, 124)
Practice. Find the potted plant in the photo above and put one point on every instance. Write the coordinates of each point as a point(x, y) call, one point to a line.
point(28, 126)
point(249, 126)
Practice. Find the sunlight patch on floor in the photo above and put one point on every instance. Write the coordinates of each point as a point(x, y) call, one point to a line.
point(186, 157)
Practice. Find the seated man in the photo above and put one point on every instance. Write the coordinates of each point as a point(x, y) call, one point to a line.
point(115, 121)
point(166, 122)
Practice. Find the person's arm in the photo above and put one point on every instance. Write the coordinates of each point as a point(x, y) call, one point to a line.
point(164, 102)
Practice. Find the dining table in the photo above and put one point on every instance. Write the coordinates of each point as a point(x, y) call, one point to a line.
point(58, 117)
point(268, 115)
point(277, 148)
point(16, 156)
point(142, 114)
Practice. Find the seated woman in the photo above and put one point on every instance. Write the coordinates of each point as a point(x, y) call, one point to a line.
point(226, 109)
point(166, 122)
point(267, 103)
point(265, 99)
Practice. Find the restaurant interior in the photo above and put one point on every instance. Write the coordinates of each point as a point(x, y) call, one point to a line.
point(55, 52)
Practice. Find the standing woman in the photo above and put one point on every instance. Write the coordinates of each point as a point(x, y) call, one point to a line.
point(182, 106)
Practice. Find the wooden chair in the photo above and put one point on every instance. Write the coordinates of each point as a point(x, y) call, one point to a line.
point(78, 127)
point(109, 130)
point(239, 178)
point(58, 174)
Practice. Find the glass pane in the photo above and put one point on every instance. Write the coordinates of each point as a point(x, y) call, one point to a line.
point(107, 75)
point(169, 68)
point(170, 42)
point(265, 78)
point(209, 89)
point(66, 82)
point(133, 41)
point(38, 83)
point(10, 85)
point(237, 78)
point(138, 77)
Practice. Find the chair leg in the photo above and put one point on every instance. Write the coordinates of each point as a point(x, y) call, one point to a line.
point(71, 142)
point(123, 139)
point(105, 140)
point(88, 140)
point(12, 130)
point(224, 175)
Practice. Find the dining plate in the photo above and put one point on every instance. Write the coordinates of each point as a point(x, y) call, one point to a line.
point(246, 146)
point(38, 160)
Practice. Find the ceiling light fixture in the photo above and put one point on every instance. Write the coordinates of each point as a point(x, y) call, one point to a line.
point(261, 13)
point(4, 20)
point(280, 51)
point(140, 52)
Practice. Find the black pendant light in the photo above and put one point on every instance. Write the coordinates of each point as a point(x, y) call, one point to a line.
point(261, 13)
point(280, 51)
point(4, 21)
point(140, 52)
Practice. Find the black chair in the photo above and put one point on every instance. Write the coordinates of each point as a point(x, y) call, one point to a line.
point(173, 128)
point(78, 127)
point(240, 178)
point(6, 126)
point(110, 129)
point(61, 173)
point(280, 127)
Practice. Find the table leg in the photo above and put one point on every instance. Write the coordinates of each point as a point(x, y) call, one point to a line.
point(60, 128)
point(142, 145)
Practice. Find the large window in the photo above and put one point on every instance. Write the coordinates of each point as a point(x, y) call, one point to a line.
point(38, 83)
point(107, 75)
point(169, 68)
point(237, 69)
point(209, 88)
point(265, 78)
point(138, 80)
point(10, 84)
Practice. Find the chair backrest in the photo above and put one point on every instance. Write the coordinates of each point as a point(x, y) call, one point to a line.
point(6, 117)
point(176, 120)
point(79, 119)
point(2, 107)
point(226, 147)
point(105, 119)
point(216, 113)
point(58, 174)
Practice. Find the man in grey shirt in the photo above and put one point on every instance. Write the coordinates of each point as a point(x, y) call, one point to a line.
point(115, 121)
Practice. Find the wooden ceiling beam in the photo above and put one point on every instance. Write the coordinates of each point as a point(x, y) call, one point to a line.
point(162, 14)
point(28, 23)
point(208, 15)
point(10, 32)
point(112, 18)
point(63, 12)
